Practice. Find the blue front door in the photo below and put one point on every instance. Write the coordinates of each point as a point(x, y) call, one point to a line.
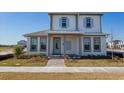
point(56, 45)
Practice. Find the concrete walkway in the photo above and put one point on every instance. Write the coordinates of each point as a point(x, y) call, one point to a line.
point(63, 69)
point(56, 63)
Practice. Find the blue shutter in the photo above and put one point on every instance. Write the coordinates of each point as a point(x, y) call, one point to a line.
point(92, 22)
point(60, 22)
point(84, 22)
point(68, 22)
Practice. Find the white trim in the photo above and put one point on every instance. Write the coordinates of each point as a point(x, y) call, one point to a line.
point(28, 44)
point(38, 45)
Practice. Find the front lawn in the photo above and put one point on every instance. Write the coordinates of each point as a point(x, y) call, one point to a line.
point(61, 76)
point(23, 62)
point(93, 63)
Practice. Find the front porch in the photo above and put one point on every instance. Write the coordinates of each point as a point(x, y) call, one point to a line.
point(71, 43)
point(64, 44)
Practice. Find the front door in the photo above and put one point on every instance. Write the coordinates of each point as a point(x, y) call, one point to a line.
point(56, 45)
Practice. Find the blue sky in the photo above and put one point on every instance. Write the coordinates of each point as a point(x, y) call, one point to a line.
point(14, 25)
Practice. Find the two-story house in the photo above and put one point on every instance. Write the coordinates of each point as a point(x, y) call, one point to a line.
point(78, 33)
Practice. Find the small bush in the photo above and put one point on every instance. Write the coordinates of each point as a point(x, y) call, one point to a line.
point(23, 56)
point(35, 55)
point(95, 57)
point(18, 50)
point(118, 59)
point(37, 59)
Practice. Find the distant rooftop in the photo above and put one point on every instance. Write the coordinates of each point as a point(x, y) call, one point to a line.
point(80, 13)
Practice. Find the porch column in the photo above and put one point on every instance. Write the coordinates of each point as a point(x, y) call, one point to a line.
point(28, 44)
point(38, 46)
point(64, 44)
point(92, 47)
point(48, 45)
point(80, 46)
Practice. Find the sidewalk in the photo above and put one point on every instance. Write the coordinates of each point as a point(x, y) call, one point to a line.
point(56, 63)
point(63, 69)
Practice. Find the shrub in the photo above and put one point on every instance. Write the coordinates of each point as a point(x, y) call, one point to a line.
point(18, 50)
point(24, 56)
point(37, 59)
point(118, 59)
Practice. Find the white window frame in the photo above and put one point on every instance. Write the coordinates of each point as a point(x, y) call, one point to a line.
point(89, 20)
point(97, 42)
point(43, 40)
point(34, 42)
point(87, 43)
point(64, 20)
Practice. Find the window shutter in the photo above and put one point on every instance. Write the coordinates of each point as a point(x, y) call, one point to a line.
point(68, 22)
point(84, 22)
point(60, 22)
point(92, 22)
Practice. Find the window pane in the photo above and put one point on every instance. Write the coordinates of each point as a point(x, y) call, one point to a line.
point(88, 22)
point(34, 47)
point(33, 44)
point(43, 42)
point(64, 22)
point(96, 47)
point(87, 47)
point(87, 44)
point(97, 44)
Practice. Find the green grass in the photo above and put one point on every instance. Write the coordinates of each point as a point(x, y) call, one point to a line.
point(6, 49)
point(61, 76)
point(22, 62)
point(93, 63)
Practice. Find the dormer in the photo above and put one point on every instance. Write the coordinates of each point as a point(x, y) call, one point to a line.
point(75, 21)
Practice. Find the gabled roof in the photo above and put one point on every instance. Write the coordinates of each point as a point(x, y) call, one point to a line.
point(73, 13)
point(39, 33)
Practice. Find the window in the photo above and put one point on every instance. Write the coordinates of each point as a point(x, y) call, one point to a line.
point(87, 44)
point(33, 44)
point(67, 45)
point(89, 22)
point(43, 42)
point(97, 44)
point(64, 22)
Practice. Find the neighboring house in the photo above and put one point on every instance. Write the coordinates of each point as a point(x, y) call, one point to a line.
point(77, 33)
point(117, 44)
point(22, 43)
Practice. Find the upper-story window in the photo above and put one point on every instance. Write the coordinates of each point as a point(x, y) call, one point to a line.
point(88, 22)
point(64, 22)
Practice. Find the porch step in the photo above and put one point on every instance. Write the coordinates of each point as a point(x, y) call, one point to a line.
point(56, 57)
